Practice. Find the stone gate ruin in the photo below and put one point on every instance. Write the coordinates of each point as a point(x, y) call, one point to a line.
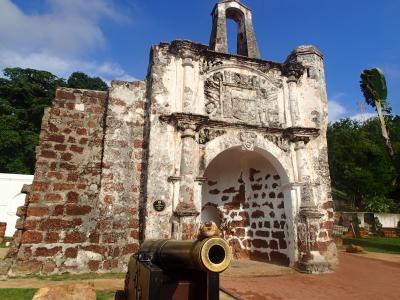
point(207, 136)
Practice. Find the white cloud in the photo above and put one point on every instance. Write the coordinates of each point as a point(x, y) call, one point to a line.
point(362, 117)
point(57, 39)
point(335, 110)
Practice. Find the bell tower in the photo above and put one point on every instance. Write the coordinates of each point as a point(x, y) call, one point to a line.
point(246, 38)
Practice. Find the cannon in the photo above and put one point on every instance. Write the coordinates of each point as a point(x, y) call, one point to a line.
point(171, 269)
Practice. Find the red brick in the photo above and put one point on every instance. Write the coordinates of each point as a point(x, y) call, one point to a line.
point(138, 144)
point(67, 131)
point(73, 177)
point(33, 198)
point(66, 156)
point(83, 141)
point(49, 267)
point(58, 138)
point(72, 197)
point(75, 238)
point(53, 128)
point(39, 186)
point(58, 210)
point(94, 237)
point(71, 140)
point(37, 211)
point(71, 252)
point(60, 147)
point(110, 264)
point(63, 94)
point(130, 249)
point(42, 251)
point(76, 149)
point(54, 224)
point(95, 248)
point(46, 145)
point(109, 199)
point(114, 187)
point(94, 265)
point(134, 223)
point(81, 131)
point(52, 198)
point(57, 175)
point(30, 224)
point(68, 166)
point(257, 214)
point(327, 205)
point(257, 243)
point(75, 210)
point(52, 237)
point(48, 154)
point(31, 237)
point(63, 186)
point(70, 106)
point(135, 234)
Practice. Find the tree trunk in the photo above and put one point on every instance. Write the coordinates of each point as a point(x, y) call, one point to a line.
point(389, 149)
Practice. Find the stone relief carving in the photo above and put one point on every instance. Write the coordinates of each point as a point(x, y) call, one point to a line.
point(209, 63)
point(239, 97)
point(208, 134)
point(248, 140)
point(279, 141)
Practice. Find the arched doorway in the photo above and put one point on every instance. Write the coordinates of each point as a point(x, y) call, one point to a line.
point(243, 195)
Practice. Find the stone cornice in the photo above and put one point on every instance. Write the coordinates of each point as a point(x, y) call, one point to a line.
point(200, 121)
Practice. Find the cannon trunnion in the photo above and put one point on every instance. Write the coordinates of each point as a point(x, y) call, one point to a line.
point(170, 269)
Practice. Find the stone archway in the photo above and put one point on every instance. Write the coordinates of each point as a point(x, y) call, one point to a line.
point(244, 195)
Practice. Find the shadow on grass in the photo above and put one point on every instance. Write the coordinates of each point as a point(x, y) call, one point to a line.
point(376, 244)
point(67, 276)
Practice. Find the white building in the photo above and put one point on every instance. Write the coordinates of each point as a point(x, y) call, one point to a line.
point(11, 198)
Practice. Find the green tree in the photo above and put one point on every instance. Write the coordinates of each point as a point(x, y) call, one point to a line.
point(360, 169)
point(373, 86)
point(24, 94)
point(80, 80)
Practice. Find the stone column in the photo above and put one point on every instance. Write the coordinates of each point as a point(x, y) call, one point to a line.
point(294, 109)
point(186, 211)
point(188, 78)
point(310, 260)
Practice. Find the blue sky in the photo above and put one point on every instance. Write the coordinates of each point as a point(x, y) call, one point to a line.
point(112, 38)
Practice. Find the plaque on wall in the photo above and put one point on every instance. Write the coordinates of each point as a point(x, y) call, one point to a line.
point(159, 205)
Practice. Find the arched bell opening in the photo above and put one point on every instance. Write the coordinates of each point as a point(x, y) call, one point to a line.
point(238, 17)
point(244, 196)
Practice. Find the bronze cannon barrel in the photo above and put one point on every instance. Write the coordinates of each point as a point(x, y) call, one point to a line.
point(209, 255)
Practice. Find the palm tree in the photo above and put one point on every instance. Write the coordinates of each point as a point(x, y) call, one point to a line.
point(373, 86)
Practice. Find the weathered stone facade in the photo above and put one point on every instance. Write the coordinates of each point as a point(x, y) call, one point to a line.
point(208, 136)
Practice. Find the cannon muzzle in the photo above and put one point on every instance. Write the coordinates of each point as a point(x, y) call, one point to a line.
point(209, 255)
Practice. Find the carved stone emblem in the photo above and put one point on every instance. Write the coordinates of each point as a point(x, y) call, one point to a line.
point(248, 140)
point(240, 97)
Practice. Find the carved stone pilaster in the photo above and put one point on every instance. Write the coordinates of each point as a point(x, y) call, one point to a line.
point(310, 260)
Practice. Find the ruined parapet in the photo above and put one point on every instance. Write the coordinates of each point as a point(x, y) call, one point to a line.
point(67, 224)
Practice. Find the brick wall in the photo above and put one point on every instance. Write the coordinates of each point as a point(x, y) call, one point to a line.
point(81, 212)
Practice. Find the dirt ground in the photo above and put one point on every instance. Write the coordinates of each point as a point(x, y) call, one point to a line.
point(357, 277)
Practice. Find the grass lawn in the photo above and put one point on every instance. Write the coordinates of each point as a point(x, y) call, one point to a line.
point(27, 294)
point(376, 244)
